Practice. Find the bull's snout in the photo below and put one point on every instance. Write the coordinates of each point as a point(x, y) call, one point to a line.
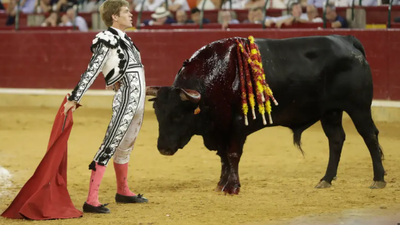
point(166, 151)
point(165, 146)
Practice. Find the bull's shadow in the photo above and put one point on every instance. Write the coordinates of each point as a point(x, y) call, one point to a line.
point(167, 185)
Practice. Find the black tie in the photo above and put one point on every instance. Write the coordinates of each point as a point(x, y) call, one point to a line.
point(128, 40)
point(131, 42)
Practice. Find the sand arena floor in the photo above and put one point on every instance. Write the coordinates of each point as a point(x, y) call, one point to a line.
point(277, 181)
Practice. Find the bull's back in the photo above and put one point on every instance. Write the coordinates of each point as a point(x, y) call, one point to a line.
point(310, 74)
point(317, 53)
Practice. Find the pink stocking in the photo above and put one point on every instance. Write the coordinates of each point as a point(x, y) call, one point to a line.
point(95, 180)
point(121, 173)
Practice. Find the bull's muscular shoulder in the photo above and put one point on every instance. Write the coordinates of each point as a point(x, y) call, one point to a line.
point(107, 39)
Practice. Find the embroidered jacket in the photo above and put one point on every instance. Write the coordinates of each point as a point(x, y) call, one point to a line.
point(111, 55)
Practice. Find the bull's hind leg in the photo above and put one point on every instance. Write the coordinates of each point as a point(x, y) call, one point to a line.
point(365, 126)
point(332, 125)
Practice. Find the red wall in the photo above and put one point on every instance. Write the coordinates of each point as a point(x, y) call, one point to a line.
point(56, 59)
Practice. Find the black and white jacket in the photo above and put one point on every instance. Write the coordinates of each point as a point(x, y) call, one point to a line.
point(110, 56)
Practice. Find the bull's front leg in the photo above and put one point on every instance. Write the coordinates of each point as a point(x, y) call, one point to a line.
point(225, 170)
point(230, 182)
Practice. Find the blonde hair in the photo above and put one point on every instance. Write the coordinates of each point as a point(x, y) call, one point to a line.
point(109, 8)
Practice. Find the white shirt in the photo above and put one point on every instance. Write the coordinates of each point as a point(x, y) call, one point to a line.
point(316, 3)
point(364, 2)
point(120, 33)
point(236, 4)
point(303, 16)
point(149, 7)
point(342, 3)
point(317, 20)
point(276, 4)
point(209, 5)
point(80, 22)
point(183, 3)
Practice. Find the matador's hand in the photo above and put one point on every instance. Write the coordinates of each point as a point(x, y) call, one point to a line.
point(69, 105)
point(117, 86)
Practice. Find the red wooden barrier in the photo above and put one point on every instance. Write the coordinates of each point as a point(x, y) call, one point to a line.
point(233, 26)
point(25, 28)
point(394, 25)
point(57, 59)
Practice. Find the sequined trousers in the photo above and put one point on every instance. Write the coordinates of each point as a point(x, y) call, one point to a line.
point(126, 120)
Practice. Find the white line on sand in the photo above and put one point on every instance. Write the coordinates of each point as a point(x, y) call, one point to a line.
point(5, 182)
point(29, 91)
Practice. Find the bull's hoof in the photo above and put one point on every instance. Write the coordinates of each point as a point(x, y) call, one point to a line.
point(219, 188)
point(323, 184)
point(231, 191)
point(378, 185)
point(228, 189)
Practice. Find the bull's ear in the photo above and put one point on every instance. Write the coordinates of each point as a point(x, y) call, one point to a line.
point(152, 90)
point(190, 95)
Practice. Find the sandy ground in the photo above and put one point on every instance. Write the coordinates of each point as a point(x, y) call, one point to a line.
point(277, 181)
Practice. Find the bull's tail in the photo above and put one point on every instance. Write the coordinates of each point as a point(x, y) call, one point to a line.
point(380, 147)
point(381, 152)
point(297, 139)
point(357, 44)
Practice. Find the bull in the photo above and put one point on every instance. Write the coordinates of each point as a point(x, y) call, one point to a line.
point(313, 78)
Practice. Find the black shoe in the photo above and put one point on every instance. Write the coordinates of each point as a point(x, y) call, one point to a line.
point(95, 209)
point(130, 199)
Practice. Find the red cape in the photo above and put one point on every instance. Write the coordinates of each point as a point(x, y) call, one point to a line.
point(45, 195)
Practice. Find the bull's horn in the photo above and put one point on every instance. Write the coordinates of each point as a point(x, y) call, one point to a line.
point(191, 95)
point(152, 90)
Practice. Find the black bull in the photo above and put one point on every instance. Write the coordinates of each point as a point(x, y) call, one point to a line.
point(313, 79)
